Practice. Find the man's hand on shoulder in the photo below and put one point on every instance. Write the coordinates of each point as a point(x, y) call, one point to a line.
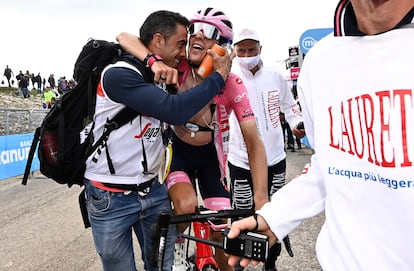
point(164, 73)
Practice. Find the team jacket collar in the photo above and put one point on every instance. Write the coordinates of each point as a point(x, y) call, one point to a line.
point(345, 22)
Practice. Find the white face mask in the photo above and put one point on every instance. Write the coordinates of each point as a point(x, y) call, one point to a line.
point(249, 62)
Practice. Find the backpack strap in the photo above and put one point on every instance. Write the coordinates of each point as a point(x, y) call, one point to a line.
point(109, 159)
point(91, 96)
point(121, 118)
point(32, 151)
point(144, 154)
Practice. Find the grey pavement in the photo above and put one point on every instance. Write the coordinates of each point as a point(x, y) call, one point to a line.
point(41, 227)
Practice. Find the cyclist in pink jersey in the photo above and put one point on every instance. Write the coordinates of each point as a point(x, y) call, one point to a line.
point(200, 146)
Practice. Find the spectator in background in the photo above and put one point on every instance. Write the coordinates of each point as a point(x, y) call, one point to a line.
point(38, 80)
point(33, 80)
point(295, 92)
point(287, 133)
point(48, 97)
point(51, 80)
point(28, 76)
point(62, 85)
point(8, 73)
point(268, 93)
point(71, 84)
point(19, 76)
point(23, 86)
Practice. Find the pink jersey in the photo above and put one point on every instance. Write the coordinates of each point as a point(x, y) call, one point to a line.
point(234, 97)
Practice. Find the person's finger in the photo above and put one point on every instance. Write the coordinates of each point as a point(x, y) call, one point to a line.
point(212, 53)
point(233, 260)
point(245, 262)
point(234, 231)
point(171, 76)
point(174, 79)
point(164, 73)
point(233, 54)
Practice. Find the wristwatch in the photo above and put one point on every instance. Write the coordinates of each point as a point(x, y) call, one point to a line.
point(151, 58)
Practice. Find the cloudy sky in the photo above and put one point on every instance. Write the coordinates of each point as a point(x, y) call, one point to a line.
point(47, 35)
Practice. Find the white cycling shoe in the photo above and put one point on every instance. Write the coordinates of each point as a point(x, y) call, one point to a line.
point(180, 261)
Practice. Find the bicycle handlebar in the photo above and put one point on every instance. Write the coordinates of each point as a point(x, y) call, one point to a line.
point(204, 215)
point(159, 232)
point(200, 215)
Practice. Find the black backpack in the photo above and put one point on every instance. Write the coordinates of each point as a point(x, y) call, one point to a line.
point(62, 149)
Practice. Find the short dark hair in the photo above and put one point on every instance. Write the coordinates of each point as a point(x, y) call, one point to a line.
point(162, 21)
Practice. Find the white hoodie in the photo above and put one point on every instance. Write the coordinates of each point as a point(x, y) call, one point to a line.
point(269, 93)
point(357, 99)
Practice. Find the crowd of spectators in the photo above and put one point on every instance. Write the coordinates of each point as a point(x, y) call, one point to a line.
point(26, 82)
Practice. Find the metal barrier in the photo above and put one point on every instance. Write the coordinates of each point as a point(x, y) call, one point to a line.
point(20, 121)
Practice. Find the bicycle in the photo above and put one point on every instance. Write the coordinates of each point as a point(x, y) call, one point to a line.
point(202, 220)
point(205, 220)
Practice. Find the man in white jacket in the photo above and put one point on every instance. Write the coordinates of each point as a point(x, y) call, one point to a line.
point(356, 92)
point(269, 94)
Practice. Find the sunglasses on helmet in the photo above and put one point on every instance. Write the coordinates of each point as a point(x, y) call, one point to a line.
point(209, 31)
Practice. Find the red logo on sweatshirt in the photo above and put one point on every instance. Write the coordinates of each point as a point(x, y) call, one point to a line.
point(375, 127)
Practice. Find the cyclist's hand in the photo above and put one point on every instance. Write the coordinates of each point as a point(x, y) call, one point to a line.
point(249, 224)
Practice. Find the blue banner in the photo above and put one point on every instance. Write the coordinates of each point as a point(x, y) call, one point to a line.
point(14, 151)
point(312, 36)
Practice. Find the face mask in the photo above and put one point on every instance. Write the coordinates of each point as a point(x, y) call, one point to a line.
point(248, 63)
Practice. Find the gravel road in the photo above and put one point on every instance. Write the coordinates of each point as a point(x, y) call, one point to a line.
point(41, 227)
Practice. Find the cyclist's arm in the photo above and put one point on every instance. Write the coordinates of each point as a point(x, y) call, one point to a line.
point(133, 45)
point(257, 161)
point(254, 144)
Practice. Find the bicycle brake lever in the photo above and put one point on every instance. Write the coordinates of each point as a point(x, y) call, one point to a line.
point(217, 224)
point(286, 242)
